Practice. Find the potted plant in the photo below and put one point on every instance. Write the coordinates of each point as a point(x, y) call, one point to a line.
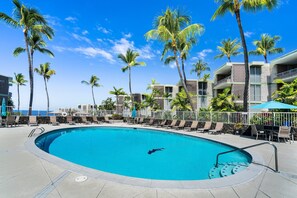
point(238, 128)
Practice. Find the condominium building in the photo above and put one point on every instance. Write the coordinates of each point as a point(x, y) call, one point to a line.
point(285, 68)
point(165, 93)
point(4, 88)
point(232, 75)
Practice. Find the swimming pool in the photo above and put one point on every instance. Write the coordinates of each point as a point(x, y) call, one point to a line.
point(140, 153)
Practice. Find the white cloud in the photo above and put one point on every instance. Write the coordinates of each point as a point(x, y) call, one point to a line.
point(103, 30)
point(93, 52)
point(99, 40)
point(202, 55)
point(129, 35)
point(52, 21)
point(122, 45)
point(248, 34)
point(172, 65)
point(81, 38)
point(71, 19)
point(146, 52)
point(85, 32)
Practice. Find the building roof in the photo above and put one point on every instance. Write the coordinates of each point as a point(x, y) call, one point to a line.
point(289, 58)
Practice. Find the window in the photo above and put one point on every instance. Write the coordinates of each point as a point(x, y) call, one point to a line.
point(255, 74)
point(255, 93)
point(202, 87)
point(168, 89)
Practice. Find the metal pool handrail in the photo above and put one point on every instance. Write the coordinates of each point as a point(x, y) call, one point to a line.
point(243, 148)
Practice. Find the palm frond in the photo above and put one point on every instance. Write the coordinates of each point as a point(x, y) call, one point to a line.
point(18, 51)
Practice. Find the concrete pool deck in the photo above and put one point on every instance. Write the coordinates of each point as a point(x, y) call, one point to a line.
point(25, 174)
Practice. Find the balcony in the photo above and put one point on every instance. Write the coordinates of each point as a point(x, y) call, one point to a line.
point(287, 75)
point(223, 83)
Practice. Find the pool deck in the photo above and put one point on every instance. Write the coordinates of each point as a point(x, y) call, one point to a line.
point(26, 174)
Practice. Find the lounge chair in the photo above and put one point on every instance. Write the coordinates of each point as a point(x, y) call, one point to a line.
point(206, 127)
point(53, 121)
point(256, 132)
point(84, 120)
point(181, 125)
point(69, 120)
point(218, 129)
point(106, 119)
point(140, 120)
point(161, 124)
point(95, 120)
point(193, 126)
point(151, 122)
point(32, 121)
point(16, 121)
point(173, 123)
point(9, 121)
point(283, 132)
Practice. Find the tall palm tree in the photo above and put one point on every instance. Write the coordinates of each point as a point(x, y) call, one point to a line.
point(46, 72)
point(199, 67)
point(172, 28)
point(19, 80)
point(266, 45)
point(130, 60)
point(93, 82)
point(117, 93)
point(29, 20)
point(229, 48)
point(234, 7)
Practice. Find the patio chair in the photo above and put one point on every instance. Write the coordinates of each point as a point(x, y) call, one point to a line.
point(256, 132)
point(9, 121)
point(181, 125)
point(161, 124)
point(17, 120)
point(151, 122)
point(218, 129)
point(140, 120)
point(206, 127)
point(193, 126)
point(283, 132)
point(69, 120)
point(106, 119)
point(173, 123)
point(53, 121)
point(32, 121)
point(95, 120)
point(84, 120)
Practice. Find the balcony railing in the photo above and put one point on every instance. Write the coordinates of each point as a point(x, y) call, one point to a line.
point(224, 80)
point(289, 73)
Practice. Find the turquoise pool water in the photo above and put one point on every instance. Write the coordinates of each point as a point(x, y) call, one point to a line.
point(141, 153)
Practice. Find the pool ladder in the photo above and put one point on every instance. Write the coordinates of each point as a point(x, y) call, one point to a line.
point(37, 128)
point(255, 145)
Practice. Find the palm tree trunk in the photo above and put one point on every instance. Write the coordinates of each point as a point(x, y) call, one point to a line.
point(45, 84)
point(229, 59)
point(265, 57)
point(93, 100)
point(183, 82)
point(183, 69)
point(30, 73)
point(18, 87)
point(117, 99)
point(246, 63)
point(130, 89)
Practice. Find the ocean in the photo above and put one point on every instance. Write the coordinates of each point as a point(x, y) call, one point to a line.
point(34, 112)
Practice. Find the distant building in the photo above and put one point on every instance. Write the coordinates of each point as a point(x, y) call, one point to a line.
point(233, 75)
point(4, 88)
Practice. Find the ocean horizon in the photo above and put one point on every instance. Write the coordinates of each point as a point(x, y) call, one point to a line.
point(34, 112)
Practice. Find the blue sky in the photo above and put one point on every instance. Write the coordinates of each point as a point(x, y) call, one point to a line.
point(90, 34)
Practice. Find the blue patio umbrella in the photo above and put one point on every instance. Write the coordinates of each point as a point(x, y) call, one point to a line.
point(273, 105)
point(3, 108)
point(134, 113)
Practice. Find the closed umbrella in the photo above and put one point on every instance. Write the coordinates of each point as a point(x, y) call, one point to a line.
point(134, 113)
point(273, 105)
point(3, 108)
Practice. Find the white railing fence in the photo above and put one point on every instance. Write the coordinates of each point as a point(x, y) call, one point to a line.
point(261, 118)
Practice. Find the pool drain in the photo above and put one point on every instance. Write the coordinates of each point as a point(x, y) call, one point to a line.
point(81, 178)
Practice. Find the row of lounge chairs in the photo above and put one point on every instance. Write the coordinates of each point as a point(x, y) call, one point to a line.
point(182, 125)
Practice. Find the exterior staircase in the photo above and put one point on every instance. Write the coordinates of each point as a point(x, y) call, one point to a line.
point(227, 169)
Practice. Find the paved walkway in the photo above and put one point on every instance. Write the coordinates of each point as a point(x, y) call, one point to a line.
point(24, 174)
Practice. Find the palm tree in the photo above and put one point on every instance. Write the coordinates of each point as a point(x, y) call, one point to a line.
point(224, 101)
point(152, 84)
point(130, 59)
point(117, 93)
point(181, 102)
point(151, 101)
point(168, 29)
point(234, 7)
point(29, 20)
point(93, 83)
point(19, 80)
point(229, 48)
point(266, 45)
point(287, 92)
point(46, 72)
point(200, 67)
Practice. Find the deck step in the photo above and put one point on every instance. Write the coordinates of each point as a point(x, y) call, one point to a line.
point(227, 169)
